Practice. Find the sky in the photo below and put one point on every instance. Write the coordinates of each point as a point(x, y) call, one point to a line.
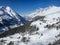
point(27, 6)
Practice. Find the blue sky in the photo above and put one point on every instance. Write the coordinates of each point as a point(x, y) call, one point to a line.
point(27, 6)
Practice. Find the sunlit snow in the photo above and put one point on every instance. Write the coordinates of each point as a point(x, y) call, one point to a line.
point(45, 35)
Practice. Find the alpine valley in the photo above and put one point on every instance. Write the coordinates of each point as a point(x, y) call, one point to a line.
point(41, 27)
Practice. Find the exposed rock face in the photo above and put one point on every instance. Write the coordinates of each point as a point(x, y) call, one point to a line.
point(19, 29)
point(11, 43)
point(38, 18)
point(57, 42)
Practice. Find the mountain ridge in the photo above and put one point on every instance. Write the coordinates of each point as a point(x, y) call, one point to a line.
point(9, 18)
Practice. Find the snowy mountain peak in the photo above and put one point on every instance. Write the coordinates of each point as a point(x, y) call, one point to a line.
point(51, 10)
point(44, 11)
point(5, 7)
point(9, 18)
point(8, 8)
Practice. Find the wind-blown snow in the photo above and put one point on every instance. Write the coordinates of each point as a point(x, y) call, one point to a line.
point(43, 36)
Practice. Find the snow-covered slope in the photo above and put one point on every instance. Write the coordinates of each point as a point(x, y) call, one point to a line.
point(41, 32)
point(9, 18)
point(44, 11)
